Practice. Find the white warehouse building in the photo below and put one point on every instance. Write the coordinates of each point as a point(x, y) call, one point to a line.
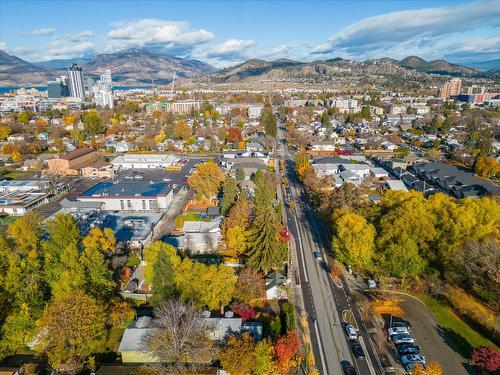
point(139, 161)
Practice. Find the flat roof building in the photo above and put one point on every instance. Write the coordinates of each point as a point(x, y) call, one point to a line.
point(130, 196)
point(138, 161)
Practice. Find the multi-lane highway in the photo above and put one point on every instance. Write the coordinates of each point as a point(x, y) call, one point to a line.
point(324, 301)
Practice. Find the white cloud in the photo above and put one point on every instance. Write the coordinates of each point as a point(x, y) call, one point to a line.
point(418, 29)
point(41, 32)
point(231, 49)
point(60, 47)
point(474, 49)
point(156, 33)
point(3, 45)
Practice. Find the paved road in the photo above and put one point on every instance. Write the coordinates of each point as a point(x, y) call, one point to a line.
point(432, 339)
point(323, 300)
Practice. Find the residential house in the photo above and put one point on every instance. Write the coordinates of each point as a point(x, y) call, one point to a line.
point(274, 285)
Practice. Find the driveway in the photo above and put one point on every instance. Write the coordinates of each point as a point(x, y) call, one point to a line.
point(432, 339)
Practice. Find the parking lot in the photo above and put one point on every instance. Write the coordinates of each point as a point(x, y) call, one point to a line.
point(432, 339)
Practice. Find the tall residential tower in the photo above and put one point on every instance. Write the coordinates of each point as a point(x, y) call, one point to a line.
point(76, 88)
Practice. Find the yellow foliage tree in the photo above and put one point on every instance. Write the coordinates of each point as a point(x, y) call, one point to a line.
point(69, 120)
point(236, 239)
point(487, 167)
point(5, 132)
point(182, 130)
point(389, 306)
point(302, 165)
point(354, 240)
point(206, 180)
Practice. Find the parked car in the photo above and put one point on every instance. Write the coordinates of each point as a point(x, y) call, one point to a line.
point(318, 256)
point(397, 330)
point(409, 358)
point(408, 349)
point(348, 368)
point(403, 338)
point(358, 351)
point(351, 332)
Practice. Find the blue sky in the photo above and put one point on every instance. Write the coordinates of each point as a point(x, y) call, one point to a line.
point(223, 33)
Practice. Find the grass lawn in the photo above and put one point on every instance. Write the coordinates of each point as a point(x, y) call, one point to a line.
point(179, 220)
point(463, 335)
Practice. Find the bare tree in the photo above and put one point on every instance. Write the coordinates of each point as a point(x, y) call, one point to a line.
point(181, 343)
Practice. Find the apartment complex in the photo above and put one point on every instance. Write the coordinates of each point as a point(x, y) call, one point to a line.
point(451, 88)
point(76, 87)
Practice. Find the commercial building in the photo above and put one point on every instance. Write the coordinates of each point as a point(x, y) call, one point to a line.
point(19, 202)
point(138, 196)
point(58, 88)
point(138, 161)
point(76, 87)
point(71, 163)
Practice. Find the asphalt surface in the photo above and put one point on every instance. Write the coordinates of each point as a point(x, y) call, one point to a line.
point(432, 339)
point(323, 300)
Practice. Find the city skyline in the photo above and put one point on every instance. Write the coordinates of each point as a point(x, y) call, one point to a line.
point(226, 33)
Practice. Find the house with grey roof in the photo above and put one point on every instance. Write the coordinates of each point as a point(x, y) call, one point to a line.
point(134, 343)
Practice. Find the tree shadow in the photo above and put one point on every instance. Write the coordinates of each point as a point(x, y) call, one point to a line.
point(459, 344)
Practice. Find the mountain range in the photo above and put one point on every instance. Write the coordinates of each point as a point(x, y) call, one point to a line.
point(141, 67)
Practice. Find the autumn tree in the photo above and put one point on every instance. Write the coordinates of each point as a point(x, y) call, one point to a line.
point(102, 240)
point(287, 350)
point(182, 130)
point(209, 286)
point(475, 266)
point(250, 286)
point(407, 221)
point(234, 135)
point(4, 132)
point(92, 124)
point(354, 240)
point(63, 270)
point(239, 214)
point(23, 276)
point(265, 363)
point(25, 117)
point(486, 358)
point(98, 273)
point(181, 343)
point(230, 194)
point(486, 166)
point(431, 368)
point(238, 355)
point(302, 165)
point(402, 260)
point(206, 180)
point(236, 239)
point(151, 255)
point(72, 328)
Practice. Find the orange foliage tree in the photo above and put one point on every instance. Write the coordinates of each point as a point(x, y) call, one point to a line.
point(287, 351)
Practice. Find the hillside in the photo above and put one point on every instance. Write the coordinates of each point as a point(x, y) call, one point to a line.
point(130, 67)
point(17, 72)
point(137, 66)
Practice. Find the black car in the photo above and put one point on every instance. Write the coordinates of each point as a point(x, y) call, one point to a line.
point(348, 368)
point(404, 349)
point(358, 351)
